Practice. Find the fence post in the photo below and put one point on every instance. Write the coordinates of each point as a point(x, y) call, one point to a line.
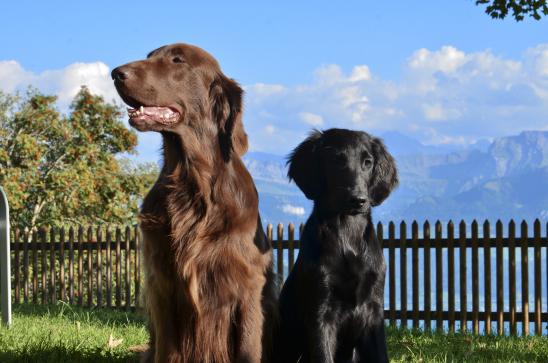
point(5, 275)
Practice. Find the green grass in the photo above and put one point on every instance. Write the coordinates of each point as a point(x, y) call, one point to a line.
point(65, 333)
point(418, 346)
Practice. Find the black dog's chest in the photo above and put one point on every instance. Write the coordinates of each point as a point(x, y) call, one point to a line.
point(352, 279)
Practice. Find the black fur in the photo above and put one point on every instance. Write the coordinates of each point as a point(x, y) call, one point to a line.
point(331, 306)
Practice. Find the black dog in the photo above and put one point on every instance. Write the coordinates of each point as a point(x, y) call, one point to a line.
point(332, 303)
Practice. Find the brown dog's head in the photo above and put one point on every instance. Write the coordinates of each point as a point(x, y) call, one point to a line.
point(180, 86)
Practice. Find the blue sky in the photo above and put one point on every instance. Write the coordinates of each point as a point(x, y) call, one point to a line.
point(439, 71)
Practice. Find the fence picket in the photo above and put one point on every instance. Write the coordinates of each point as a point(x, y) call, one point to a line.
point(280, 254)
point(44, 250)
point(118, 269)
point(427, 277)
point(80, 266)
point(415, 272)
point(475, 280)
point(538, 278)
point(71, 265)
point(52, 272)
point(90, 267)
point(392, 273)
point(524, 278)
point(137, 265)
point(128, 267)
point(487, 275)
point(109, 268)
point(403, 274)
point(500, 279)
point(512, 274)
point(451, 274)
point(291, 246)
point(34, 267)
point(62, 264)
point(17, 267)
point(99, 234)
point(439, 277)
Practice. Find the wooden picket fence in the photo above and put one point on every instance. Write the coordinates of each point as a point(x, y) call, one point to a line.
point(101, 267)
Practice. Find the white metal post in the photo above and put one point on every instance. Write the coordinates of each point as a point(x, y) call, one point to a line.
point(5, 270)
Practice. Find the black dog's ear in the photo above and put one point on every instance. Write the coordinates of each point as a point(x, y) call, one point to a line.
point(304, 166)
point(226, 109)
point(385, 174)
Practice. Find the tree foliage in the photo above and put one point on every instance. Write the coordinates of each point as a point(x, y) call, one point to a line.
point(499, 9)
point(59, 168)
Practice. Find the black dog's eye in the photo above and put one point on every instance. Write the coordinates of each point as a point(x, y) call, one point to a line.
point(368, 162)
point(177, 60)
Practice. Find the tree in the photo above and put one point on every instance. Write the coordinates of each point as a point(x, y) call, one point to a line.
point(499, 9)
point(66, 168)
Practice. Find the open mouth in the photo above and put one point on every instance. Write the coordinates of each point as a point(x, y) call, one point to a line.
point(149, 114)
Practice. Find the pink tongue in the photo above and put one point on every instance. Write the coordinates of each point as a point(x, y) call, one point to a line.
point(164, 115)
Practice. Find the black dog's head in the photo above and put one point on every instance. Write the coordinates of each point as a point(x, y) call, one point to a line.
point(343, 171)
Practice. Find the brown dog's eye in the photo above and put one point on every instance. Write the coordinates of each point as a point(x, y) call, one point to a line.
point(368, 162)
point(177, 60)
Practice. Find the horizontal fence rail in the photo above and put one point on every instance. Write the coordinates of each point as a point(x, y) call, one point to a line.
point(483, 279)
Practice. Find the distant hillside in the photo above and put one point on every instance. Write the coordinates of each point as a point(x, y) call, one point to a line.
point(507, 178)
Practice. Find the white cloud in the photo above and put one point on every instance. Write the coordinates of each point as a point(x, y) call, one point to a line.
point(311, 118)
point(64, 82)
point(445, 95)
point(294, 210)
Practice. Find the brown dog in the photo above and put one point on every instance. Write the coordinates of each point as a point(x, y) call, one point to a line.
point(209, 287)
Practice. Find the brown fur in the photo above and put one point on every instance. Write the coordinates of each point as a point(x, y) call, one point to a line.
point(206, 256)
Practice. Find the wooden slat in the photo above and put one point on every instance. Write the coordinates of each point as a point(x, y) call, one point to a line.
point(524, 279)
point(280, 254)
point(462, 274)
point(26, 268)
point(128, 268)
point(439, 277)
point(80, 266)
point(512, 275)
point(118, 268)
point(44, 250)
point(71, 265)
point(34, 267)
point(403, 274)
point(137, 254)
point(392, 273)
point(62, 265)
point(500, 279)
point(52, 271)
point(415, 272)
point(291, 249)
point(475, 278)
point(99, 234)
point(90, 268)
point(487, 276)
point(109, 268)
point(538, 279)
point(17, 266)
point(427, 276)
point(445, 315)
point(451, 274)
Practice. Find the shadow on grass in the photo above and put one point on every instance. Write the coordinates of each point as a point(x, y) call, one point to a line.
point(62, 355)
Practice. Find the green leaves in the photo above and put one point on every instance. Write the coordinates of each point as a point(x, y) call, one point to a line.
point(499, 9)
point(67, 168)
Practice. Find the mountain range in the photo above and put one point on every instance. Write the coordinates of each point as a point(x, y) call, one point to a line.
point(500, 179)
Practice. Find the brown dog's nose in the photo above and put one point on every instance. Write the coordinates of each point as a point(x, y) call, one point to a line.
point(119, 74)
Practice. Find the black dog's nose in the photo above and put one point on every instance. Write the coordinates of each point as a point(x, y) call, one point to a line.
point(119, 74)
point(358, 202)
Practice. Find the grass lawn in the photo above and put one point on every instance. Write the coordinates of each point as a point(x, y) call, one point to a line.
point(64, 333)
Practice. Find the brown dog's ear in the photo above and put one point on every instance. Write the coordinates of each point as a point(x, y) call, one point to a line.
point(226, 109)
point(385, 175)
point(304, 166)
